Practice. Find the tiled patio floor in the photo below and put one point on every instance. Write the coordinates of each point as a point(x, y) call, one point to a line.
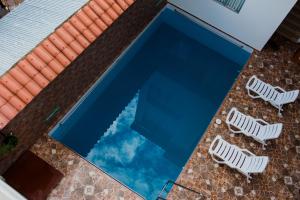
point(82, 180)
point(281, 179)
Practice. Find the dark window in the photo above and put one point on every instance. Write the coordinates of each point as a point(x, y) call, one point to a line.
point(235, 5)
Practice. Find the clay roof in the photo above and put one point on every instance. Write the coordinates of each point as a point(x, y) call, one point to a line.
point(25, 27)
point(26, 79)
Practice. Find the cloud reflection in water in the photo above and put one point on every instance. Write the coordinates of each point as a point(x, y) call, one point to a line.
point(130, 157)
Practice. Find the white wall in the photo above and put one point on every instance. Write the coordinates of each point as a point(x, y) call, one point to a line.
point(254, 25)
point(8, 193)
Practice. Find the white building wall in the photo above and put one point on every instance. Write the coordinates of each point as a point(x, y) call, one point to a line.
point(254, 25)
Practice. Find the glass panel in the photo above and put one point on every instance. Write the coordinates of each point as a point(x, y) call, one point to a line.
point(235, 5)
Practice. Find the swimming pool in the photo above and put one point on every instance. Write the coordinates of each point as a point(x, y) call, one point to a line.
point(143, 118)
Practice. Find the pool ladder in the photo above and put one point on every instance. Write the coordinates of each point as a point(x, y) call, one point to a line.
point(169, 184)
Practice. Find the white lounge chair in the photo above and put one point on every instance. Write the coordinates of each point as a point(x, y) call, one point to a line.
point(258, 129)
point(275, 95)
point(243, 160)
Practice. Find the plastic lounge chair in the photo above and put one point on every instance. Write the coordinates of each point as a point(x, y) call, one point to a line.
point(258, 129)
point(242, 160)
point(275, 95)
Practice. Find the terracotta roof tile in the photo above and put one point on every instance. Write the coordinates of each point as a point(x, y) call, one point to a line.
point(35, 61)
point(50, 47)
point(70, 53)
point(117, 8)
point(89, 35)
point(43, 54)
point(5, 93)
point(9, 82)
point(48, 73)
point(84, 18)
point(40, 80)
point(105, 6)
point(62, 59)
point(89, 11)
point(129, 2)
point(2, 101)
point(19, 75)
point(57, 41)
point(17, 103)
point(27, 68)
point(76, 34)
point(112, 13)
point(122, 4)
point(3, 121)
point(78, 24)
point(24, 95)
point(101, 24)
point(8, 111)
point(97, 9)
point(110, 2)
point(34, 72)
point(95, 29)
point(33, 87)
point(64, 35)
point(106, 19)
point(56, 66)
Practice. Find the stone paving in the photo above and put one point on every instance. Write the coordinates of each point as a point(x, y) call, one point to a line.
point(281, 180)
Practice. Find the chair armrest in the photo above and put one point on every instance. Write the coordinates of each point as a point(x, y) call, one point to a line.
point(233, 131)
point(252, 96)
point(262, 121)
point(247, 151)
point(279, 88)
point(216, 160)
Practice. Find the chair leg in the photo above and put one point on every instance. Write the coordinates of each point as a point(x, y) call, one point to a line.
point(264, 146)
point(279, 111)
point(248, 178)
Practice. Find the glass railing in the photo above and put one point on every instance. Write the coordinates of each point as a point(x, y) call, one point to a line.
point(176, 191)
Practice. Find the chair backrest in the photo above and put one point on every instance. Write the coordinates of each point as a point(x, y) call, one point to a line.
point(264, 90)
point(287, 97)
point(228, 153)
point(271, 131)
point(255, 164)
point(244, 123)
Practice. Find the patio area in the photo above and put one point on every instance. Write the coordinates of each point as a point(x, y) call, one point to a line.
point(281, 180)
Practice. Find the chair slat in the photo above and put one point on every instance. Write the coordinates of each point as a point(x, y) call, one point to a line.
point(277, 97)
point(249, 126)
point(234, 157)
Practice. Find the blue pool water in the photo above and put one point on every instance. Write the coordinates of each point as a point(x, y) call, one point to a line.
point(142, 120)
